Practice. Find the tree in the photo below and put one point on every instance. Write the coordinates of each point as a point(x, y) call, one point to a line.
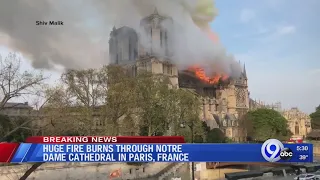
point(213, 135)
point(77, 103)
point(120, 100)
point(188, 111)
point(59, 115)
point(149, 103)
point(315, 118)
point(7, 124)
point(266, 123)
point(216, 136)
point(14, 83)
point(125, 103)
point(155, 102)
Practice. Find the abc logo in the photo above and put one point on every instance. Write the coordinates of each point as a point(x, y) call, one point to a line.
point(271, 150)
point(286, 154)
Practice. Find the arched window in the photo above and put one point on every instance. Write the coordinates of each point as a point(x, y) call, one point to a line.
point(161, 38)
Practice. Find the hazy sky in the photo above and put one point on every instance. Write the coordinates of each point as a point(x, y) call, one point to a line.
point(279, 42)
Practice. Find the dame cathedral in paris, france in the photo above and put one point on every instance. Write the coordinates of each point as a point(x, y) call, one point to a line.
point(223, 103)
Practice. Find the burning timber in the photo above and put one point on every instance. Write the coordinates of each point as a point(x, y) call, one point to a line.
point(188, 79)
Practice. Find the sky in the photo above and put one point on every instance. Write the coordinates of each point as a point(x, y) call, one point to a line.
point(278, 40)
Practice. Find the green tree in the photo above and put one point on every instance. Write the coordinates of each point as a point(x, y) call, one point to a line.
point(266, 123)
point(150, 103)
point(216, 136)
point(213, 135)
point(156, 103)
point(7, 124)
point(120, 100)
point(315, 118)
point(188, 122)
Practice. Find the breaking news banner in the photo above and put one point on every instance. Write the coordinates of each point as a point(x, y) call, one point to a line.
point(270, 151)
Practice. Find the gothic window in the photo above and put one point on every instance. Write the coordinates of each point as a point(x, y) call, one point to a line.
point(166, 42)
point(169, 70)
point(240, 97)
point(117, 58)
point(164, 68)
point(120, 54)
point(130, 50)
point(135, 53)
point(160, 38)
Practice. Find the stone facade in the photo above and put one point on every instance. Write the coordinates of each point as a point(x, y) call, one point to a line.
point(254, 104)
point(223, 104)
point(299, 123)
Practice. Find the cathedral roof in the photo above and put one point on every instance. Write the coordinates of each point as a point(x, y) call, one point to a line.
point(217, 119)
point(212, 124)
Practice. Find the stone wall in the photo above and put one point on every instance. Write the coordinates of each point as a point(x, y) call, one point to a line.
point(81, 171)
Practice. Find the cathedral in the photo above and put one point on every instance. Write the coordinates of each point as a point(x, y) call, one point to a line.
point(223, 103)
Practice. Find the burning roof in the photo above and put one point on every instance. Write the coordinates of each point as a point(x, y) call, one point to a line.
point(214, 78)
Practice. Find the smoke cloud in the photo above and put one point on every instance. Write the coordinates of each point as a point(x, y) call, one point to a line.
point(82, 41)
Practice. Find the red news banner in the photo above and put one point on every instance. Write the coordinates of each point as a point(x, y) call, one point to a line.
point(105, 139)
point(7, 150)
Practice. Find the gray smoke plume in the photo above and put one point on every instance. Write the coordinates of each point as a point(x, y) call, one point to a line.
point(82, 41)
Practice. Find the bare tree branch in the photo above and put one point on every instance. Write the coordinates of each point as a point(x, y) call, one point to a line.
point(15, 83)
point(30, 170)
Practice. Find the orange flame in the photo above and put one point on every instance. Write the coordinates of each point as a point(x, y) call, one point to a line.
point(212, 36)
point(200, 73)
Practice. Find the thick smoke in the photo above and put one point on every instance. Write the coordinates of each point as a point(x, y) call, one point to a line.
point(83, 39)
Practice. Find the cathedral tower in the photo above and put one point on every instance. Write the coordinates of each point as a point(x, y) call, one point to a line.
point(242, 93)
point(150, 49)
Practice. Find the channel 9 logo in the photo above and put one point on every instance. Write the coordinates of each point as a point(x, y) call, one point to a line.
point(273, 150)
